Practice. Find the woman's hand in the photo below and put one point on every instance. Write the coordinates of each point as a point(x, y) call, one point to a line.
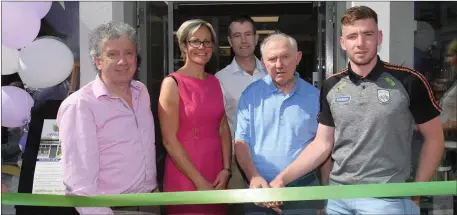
point(204, 185)
point(222, 180)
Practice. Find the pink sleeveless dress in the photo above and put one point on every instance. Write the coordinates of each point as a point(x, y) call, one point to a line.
point(201, 108)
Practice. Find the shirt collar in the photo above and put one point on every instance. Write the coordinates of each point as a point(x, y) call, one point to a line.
point(258, 65)
point(99, 88)
point(373, 75)
point(297, 86)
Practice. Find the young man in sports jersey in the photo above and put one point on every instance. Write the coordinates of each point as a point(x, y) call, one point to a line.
point(367, 117)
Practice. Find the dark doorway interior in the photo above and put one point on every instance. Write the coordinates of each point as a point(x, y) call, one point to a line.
point(298, 19)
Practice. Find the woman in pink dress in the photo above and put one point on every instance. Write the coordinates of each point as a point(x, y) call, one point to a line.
point(193, 123)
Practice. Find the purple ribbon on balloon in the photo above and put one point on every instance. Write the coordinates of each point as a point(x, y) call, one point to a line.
point(23, 141)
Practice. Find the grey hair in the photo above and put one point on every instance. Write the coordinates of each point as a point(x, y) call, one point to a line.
point(110, 31)
point(292, 41)
point(188, 28)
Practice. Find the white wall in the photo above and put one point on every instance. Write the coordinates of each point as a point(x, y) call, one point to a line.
point(91, 15)
point(383, 11)
point(402, 27)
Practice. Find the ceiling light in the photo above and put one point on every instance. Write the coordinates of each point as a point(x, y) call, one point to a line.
point(265, 31)
point(265, 18)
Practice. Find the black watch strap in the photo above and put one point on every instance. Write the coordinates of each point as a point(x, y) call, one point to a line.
point(228, 170)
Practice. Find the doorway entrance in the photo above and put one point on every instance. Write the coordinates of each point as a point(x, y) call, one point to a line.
point(298, 19)
point(310, 23)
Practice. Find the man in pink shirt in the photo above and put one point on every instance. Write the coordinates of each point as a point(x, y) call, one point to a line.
point(106, 127)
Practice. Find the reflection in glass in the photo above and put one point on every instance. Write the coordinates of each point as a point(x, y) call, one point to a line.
point(436, 29)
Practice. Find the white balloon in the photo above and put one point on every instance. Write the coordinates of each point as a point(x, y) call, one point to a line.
point(10, 60)
point(424, 36)
point(45, 62)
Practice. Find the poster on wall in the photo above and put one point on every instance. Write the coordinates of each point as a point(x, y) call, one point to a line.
point(48, 170)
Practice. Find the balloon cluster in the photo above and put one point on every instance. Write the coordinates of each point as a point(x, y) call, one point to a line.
point(40, 62)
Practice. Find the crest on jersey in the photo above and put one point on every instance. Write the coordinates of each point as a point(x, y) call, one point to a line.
point(383, 96)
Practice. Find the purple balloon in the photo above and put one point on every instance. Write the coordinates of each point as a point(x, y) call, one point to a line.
point(16, 106)
point(41, 8)
point(23, 141)
point(20, 26)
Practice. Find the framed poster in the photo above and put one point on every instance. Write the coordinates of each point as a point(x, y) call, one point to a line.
point(48, 170)
point(41, 171)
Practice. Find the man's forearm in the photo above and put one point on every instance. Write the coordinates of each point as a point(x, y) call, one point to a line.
point(325, 170)
point(310, 158)
point(430, 157)
point(243, 156)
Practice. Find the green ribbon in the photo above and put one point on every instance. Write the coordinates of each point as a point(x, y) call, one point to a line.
point(237, 195)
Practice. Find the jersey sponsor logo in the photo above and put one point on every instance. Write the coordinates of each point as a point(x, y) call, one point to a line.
point(342, 99)
point(342, 86)
point(383, 95)
point(390, 81)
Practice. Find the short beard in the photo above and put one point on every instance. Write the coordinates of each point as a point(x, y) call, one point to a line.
point(363, 63)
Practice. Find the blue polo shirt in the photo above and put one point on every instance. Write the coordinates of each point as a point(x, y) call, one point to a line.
point(276, 127)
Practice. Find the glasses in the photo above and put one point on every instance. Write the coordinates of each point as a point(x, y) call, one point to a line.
point(198, 43)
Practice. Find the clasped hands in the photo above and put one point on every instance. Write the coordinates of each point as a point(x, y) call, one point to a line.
point(259, 182)
point(220, 183)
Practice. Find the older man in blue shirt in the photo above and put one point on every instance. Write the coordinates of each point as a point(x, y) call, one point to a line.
point(276, 119)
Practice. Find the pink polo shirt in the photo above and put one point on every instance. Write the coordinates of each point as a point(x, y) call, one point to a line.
point(107, 147)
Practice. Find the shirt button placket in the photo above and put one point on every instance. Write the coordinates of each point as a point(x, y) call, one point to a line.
point(144, 153)
point(281, 114)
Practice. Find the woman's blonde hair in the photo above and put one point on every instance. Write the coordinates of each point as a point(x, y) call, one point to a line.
point(188, 28)
point(452, 48)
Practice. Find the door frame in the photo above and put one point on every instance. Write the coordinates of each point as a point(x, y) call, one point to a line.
point(142, 28)
point(330, 57)
point(326, 42)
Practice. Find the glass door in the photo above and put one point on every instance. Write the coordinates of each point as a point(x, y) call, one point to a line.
point(298, 19)
point(326, 41)
point(154, 33)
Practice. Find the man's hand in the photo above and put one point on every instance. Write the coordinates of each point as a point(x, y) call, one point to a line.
point(259, 182)
point(276, 183)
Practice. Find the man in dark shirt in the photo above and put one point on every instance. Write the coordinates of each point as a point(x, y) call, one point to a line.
point(368, 114)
